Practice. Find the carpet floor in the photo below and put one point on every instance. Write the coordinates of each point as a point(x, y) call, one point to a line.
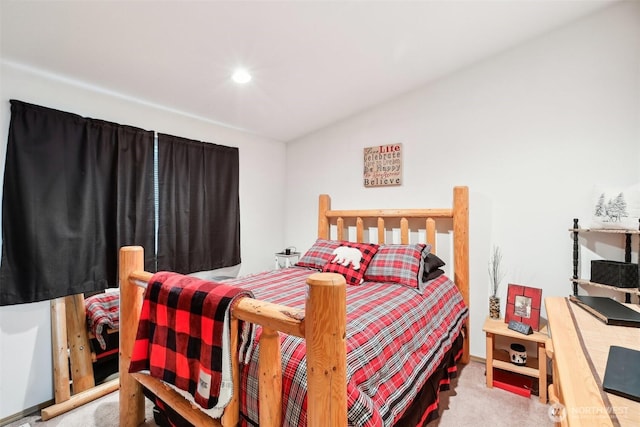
point(471, 403)
point(468, 403)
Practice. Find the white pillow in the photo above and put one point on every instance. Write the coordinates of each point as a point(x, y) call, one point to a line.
point(617, 208)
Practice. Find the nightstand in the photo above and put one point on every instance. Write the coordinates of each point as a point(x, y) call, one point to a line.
point(284, 260)
point(536, 367)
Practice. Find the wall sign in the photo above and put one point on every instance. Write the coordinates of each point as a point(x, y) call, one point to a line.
point(383, 165)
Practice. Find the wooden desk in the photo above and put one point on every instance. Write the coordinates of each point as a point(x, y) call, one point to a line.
point(580, 347)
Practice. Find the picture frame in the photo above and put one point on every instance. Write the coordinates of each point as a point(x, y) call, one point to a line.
point(383, 165)
point(523, 305)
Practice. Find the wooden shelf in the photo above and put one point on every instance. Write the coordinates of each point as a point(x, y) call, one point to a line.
point(628, 233)
point(634, 291)
point(605, 230)
point(500, 327)
point(501, 361)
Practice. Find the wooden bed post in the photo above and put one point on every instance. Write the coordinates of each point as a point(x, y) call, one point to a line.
point(324, 204)
point(231, 415)
point(79, 348)
point(270, 380)
point(131, 295)
point(431, 234)
point(60, 346)
point(325, 333)
point(461, 251)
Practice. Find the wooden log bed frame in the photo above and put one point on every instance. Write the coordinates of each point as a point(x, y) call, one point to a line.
point(322, 324)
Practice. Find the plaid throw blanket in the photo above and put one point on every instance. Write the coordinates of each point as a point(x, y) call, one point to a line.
point(183, 336)
point(103, 310)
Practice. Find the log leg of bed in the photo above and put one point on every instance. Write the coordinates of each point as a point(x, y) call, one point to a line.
point(231, 416)
point(131, 295)
point(62, 392)
point(270, 387)
point(79, 348)
point(325, 333)
point(461, 257)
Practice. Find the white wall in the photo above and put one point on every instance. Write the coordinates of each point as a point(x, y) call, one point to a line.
point(530, 131)
point(25, 336)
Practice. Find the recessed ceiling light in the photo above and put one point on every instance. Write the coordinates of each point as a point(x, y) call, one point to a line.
point(241, 76)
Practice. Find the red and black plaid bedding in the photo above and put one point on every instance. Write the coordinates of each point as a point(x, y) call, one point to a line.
point(103, 310)
point(180, 333)
point(396, 339)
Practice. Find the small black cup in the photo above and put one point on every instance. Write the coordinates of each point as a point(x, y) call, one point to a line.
point(287, 251)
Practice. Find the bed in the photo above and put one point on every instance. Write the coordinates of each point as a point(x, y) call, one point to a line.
point(327, 352)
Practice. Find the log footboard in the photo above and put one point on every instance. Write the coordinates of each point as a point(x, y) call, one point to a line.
point(322, 325)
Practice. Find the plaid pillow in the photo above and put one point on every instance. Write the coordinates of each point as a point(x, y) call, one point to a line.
point(397, 264)
point(319, 254)
point(351, 260)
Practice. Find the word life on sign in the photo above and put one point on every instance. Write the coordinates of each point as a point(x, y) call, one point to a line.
point(383, 165)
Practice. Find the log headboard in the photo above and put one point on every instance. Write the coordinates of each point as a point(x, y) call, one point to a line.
point(337, 221)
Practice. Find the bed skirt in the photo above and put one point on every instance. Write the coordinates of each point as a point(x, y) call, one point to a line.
point(425, 407)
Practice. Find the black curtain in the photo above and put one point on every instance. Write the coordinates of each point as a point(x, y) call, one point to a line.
point(75, 190)
point(199, 205)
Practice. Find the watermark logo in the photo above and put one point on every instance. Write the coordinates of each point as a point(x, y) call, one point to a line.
point(557, 412)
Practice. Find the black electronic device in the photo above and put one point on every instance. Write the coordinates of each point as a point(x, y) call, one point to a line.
point(523, 328)
point(608, 310)
point(622, 375)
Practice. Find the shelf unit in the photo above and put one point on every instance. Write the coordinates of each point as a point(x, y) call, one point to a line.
point(536, 366)
point(576, 230)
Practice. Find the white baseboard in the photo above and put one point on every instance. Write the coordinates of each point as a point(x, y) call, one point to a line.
point(26, 412)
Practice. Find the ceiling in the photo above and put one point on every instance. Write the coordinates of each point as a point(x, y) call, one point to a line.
point(313, 62)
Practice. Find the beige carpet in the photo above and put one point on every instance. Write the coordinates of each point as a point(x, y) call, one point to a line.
point(102, 412)
point(470, 403)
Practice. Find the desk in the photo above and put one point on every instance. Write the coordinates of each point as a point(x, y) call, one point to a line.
point(579, 348)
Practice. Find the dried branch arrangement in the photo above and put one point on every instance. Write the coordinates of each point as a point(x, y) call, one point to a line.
point(495, 270)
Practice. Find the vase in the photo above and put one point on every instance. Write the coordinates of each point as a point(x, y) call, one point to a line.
point(494, 307)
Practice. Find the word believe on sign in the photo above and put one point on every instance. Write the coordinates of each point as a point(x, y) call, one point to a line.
point(383, 165)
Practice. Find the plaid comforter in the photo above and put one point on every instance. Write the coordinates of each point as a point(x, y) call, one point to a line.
point(396, 338)
point(103, 310)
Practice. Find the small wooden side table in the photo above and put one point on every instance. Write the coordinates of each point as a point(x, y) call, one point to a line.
point(284, 260)
point(536, 366)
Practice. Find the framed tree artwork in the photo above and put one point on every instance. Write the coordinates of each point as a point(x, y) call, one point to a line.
point(523, 305)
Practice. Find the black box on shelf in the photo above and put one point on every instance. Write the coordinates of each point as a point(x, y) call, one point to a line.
point(615, 273)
